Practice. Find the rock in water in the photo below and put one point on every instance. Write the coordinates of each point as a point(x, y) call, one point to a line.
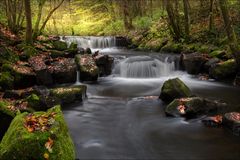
point(37, 136)
point(174, 88)
point(232, 121)
point(88, 68)
point(193, 106)
point(224, 69)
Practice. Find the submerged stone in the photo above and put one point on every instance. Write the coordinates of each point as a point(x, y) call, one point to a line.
point(174, 88)
point(37, 136)
point(232, 121)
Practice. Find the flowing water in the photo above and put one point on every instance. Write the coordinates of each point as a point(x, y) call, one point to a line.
point(122, 118)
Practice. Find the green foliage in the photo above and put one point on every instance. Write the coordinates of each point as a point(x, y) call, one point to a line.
point(6, 80)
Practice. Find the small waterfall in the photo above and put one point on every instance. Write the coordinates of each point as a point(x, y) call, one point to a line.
point(144, 67)
point(90, 41)
point(78, 78)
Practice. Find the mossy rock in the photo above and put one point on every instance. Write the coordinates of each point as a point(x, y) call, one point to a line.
point(69, 94)
point(73, 48)
point(174, 88)
point(221, 54)
point(33, 101)
point(56, 53)
point(223, 70)
point(6, 55)
point(6, 80)
point(6, 115)
point(60, 45)
point(53, 143)
point(88, 68)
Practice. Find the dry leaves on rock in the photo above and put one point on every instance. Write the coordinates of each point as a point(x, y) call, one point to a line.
point(39, 123)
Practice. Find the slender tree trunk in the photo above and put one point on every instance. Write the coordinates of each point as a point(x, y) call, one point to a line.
point(230, 31)
point(28, 15)
point(187, 18)
point(39, 16)
point(172, 21)
point(211, 16)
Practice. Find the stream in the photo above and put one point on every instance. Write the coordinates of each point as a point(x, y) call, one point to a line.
point(122, 117)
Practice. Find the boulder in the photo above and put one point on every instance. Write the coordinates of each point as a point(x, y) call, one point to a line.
point(232, 121)
point(6, 115)
point(73, 49)
point(88, 51)
point(194, 62)
point(174, 88)
point(209, 63)
point(104, 63)
point(69, 94)
point(191, 107)
point(63, 70)
point(39, 135)
point(60, 45)
point(213, 121)
point(223, 70)
point(43, 74)
point(18, 94)
point(218, 54)
point(87, 67)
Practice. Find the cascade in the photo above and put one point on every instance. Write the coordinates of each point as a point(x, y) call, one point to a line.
point(90, 41)
point(143, 67)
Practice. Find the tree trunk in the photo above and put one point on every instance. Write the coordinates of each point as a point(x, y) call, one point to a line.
point(172, 21)
point(186, 18)
point(28, 15)
point(39, 16)
point(211, 16)
point(230, 31)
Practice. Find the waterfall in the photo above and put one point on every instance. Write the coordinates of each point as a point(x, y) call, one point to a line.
point(78, 78)
point(144, 67)
point(91, 41)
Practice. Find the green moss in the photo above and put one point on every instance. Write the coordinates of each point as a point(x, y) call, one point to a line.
point(224, 69)
point(19, 143)
point(60, 45)
point(6, 55)
point(4, 109)
point(69, 94)
point(56, 53)
point(33, 101)
point(172, 48)
point(174, 88)
point(7, 67)
point(29, 51)
point(6, 80)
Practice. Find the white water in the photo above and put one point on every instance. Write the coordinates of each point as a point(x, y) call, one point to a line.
point(144, 67)
point(91, 41)
point(78, 78)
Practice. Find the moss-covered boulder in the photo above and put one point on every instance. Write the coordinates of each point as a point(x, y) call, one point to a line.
point(7, 113)
point(232, 121)
point(174, 88)
point(223, 70)
point(6, 80)
point(88, 68)
point(41, 135)
point(69, 94)
point(221, 54)
point(24, 76)
point(60, 45)
point(191, 107)
point(73, 49)
point(56, 54)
